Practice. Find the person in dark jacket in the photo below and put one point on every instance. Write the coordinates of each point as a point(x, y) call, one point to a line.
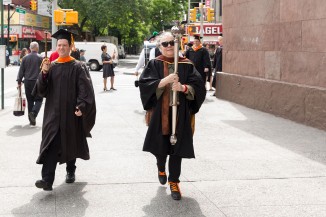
point(217, 64)
point(156, 84)
point(200, 57)
point(69, 113)
point(29, 70)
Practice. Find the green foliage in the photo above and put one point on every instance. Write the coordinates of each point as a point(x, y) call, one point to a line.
point(129, 20)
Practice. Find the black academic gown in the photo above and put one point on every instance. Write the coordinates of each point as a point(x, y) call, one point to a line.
point(201, 60)
point(67, 85)
point(155, 142)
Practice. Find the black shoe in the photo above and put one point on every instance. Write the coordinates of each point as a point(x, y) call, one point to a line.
point(70, 177)
point(175, 190)
point(32, 118)
point(162, 177)
point(112, 88)
point(43, 184)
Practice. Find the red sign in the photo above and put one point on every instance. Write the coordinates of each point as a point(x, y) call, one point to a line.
point(28, 32)
point(209, 30)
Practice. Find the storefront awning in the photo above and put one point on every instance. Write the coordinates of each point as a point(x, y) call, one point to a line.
point(40, 35)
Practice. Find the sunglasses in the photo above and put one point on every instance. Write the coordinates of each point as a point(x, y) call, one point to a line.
point(167, 43)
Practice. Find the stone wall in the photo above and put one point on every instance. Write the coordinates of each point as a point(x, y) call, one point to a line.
point(277, 50)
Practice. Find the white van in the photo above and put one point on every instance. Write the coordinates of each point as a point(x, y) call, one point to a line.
point(93, 53)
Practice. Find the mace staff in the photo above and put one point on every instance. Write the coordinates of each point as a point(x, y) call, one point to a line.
point(177, 31)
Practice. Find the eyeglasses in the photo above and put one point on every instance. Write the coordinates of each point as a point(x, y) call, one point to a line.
point(167, 43)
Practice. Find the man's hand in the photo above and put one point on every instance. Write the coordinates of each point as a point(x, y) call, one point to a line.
point(206, 70)
point(136, 73)
point(45, 66)
point(78, 112)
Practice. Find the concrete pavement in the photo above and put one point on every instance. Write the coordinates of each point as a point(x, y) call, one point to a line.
point(248, 163)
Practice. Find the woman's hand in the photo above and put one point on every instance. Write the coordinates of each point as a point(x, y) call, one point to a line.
point(177, 86)
point(171, 78)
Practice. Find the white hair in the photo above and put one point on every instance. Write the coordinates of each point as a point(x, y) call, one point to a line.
point(219, 38)
point(34, 45)
point(164, 34)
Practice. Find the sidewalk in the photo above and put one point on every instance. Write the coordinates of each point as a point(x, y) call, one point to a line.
point(248, 164)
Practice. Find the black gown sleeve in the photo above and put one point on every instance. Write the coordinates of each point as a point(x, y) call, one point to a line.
point(148, 83)
point(195, 81)
point(86, 98)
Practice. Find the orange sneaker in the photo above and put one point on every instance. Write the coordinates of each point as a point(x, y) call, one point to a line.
point(175, 190)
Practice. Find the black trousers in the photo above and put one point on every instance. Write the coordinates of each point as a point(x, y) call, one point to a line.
point(33, 103)
point(51, 160)
point(174, 166)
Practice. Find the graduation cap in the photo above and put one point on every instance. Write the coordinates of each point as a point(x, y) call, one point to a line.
point(64, 34)
point(197, 37)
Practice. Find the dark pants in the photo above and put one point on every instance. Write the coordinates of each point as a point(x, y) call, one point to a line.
point(33, 103)
point(51, 160)
point(174, 166)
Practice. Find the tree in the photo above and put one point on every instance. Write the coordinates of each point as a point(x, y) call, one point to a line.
point(129, 20)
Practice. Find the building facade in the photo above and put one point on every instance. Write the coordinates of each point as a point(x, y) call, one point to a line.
point(274, 58)
point(25, 26)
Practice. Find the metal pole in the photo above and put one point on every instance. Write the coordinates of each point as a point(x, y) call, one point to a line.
point(2, 23)
point(201, 21)
point(2, 69)
point(8, 27)
point(54, 27)
point(188, 21)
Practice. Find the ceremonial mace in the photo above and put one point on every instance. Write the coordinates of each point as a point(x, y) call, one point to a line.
point(177, 32)
point(46, 44)
point(46, 62)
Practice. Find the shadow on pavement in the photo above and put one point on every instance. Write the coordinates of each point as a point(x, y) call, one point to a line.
point(20, 130)
point(163, 205)
point(65, 199)
point(303, 140)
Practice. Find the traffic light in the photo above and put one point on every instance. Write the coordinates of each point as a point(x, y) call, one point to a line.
point(33, 5)
point(71, 17)
point(193, 15)
point(58, 16)
point(210, 14)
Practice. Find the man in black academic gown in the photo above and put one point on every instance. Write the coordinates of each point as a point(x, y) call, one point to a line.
point(69, 113)
point(156, 84)
point(200, 57)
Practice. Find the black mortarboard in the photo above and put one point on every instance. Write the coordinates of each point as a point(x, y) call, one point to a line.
point(197, 37)
point(64, 34)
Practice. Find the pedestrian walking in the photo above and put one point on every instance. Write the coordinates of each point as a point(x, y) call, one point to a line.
point(217, 64)
point(211, 51)
point(7, 57)
point(200, 57)
point(23, 53)
point(148, 52)
point(29, 71)
point(156, 84)
point(108, 71)
point(82, 55)
point(69, 113)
